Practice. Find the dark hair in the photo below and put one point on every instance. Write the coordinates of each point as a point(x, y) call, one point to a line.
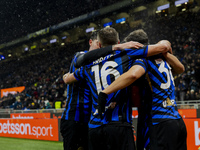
point(139, 36)
point(108, 36)
point(93, 35)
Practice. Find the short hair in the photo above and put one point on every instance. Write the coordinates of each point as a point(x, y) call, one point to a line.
point(108, 36)
point(93, 35)
point(139, 36)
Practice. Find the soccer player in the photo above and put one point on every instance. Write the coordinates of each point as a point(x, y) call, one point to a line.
point(164, 125)
point(112, 129)
point(74, 121)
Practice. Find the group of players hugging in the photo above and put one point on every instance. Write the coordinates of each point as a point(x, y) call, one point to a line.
point(104, 84)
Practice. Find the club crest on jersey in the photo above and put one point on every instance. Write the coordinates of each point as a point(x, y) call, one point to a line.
point(168, 102)
point(158, 61)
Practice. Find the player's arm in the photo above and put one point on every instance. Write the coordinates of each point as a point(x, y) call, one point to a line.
point(126, 79)
point(134, 73)
point(161, 47)
point(69, 78)
point(92, 55)
point(95, 54)
point(176, 65)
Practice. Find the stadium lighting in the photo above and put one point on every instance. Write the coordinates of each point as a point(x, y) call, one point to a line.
point(184, 9)
point(108, 24)
point(64, 37)
point(89, 30)
point(121, 20)
point(163, 7)
point(158, 11)
point(26, 49)
point(180, 2)
point(2, 57)
point(53, 41)
point(178, 5)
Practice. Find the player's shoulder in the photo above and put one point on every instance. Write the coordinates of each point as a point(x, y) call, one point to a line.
point(77, 54)
point(81, 52)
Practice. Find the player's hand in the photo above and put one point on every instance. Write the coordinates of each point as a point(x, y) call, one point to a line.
point(127, 45)
point(165, 54)
point(101, 103)
point(112, 105)
point(167, 44)
point(65, 76)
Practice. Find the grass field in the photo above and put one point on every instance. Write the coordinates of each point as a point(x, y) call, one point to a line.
point(26, 144)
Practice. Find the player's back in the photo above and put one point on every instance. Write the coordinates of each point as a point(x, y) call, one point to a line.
point(102, 73)
point(163, 88)
point(158, 99)
point(78, 103)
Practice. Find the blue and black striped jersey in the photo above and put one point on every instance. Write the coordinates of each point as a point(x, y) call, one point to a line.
point(101, 73)
point(161, 81)
point(144, 114)
point(78, 103)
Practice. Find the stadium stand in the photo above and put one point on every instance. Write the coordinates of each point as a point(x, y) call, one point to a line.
point(42, 17)
point(41, 73)
point(34, 62)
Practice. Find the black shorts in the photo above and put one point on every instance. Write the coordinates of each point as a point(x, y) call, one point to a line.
point(113, 136)
point(168, 135)
point(75, 135)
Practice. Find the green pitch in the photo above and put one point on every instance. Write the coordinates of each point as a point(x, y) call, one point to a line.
point(26, 144)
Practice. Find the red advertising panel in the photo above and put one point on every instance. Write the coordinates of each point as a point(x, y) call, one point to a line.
point(134, 114)
point(188, 113)
point(40, 129)
point(29, 115)
point(193, 133)
point(14, 90)
point(185, 113)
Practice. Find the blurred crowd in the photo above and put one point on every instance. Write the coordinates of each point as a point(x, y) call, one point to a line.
point(183, 31)
point(41, 74)
point(18, 23)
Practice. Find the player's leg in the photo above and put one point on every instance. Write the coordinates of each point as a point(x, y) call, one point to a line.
point(157, 137)
point(165, 135)
point(83, 133)
point(70, 134)
point(143, 139)
point(143, 132)
point(182, 140)
point(96, 139)
point(119, 136)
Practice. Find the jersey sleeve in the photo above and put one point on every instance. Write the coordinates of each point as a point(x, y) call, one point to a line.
point(78, 57)
point(141, 62)
point(92, 55)
point(141, 52)
point(78, 74)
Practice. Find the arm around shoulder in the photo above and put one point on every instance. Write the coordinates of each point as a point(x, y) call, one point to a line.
point(176, 65)
point(161, 47)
